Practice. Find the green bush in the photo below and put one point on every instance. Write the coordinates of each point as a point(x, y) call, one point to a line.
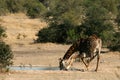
point(15, 5)
point(62, 33)
point(115, 46)
point(34, 8)
point(54, 33)
point(3, 7)
point(2, 32)
point(72, 35)
point(6, 56)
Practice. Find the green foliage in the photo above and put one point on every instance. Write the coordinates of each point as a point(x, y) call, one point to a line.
point(72, 37)
point(34, 8)
point(118, 16)
point(65, 17)
point(6, 56)
point(54, 33)
point(2, 32)
point(115, 46)
point(110, 5)
point(82, 18)
point(15, 5)
point(96, 23)
point(68, 11)
point(5, 52)
point(3, 7)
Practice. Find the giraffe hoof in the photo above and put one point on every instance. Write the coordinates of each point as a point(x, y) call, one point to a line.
point(95, 70)
point(65, 69)
point(82, 70)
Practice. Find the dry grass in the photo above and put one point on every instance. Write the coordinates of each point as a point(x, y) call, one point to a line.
point(20, 28)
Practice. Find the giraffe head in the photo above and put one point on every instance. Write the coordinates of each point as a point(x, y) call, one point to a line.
point(62, 64)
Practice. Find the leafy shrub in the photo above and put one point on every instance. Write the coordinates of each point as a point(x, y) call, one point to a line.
point(54, 33)
point(115, 46)
point(15, 5)
point(102, 29)
point(62, 33)
point(34, 8)
point(6, 56)
point(72, 35)
point(2, 32)
point(3, 7)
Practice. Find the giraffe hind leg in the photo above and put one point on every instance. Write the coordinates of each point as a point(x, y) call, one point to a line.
point(98, 58)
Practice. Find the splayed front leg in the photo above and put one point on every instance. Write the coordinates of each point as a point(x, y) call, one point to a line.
point(86, 64)
point(68, 63)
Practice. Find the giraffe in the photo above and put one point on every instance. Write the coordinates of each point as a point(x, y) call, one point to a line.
point(87, 47)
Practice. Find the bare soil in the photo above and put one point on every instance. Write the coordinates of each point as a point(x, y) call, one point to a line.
point(21, 34)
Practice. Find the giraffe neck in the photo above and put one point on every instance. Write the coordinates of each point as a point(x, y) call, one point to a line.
point(71, 50)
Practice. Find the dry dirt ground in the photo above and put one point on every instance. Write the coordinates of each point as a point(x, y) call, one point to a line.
point(21, 32)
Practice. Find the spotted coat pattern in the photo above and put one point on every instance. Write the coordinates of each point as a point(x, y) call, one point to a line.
point(83, 45)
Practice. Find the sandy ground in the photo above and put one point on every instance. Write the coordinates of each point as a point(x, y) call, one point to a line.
point(21, 31)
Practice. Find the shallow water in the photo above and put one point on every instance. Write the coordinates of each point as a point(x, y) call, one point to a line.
point(40, 68)
point(33, 68)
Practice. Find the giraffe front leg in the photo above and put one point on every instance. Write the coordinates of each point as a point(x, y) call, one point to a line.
point(70, 63)
point(86, 64)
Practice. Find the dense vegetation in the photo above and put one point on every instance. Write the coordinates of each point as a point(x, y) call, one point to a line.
point(70, 19)
point(6, 54)
point(32, 8)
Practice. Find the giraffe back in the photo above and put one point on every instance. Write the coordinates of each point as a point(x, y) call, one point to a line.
point(89, 45)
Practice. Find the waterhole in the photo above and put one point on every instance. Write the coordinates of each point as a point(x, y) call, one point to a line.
point(40, 68)
point(33, 68)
